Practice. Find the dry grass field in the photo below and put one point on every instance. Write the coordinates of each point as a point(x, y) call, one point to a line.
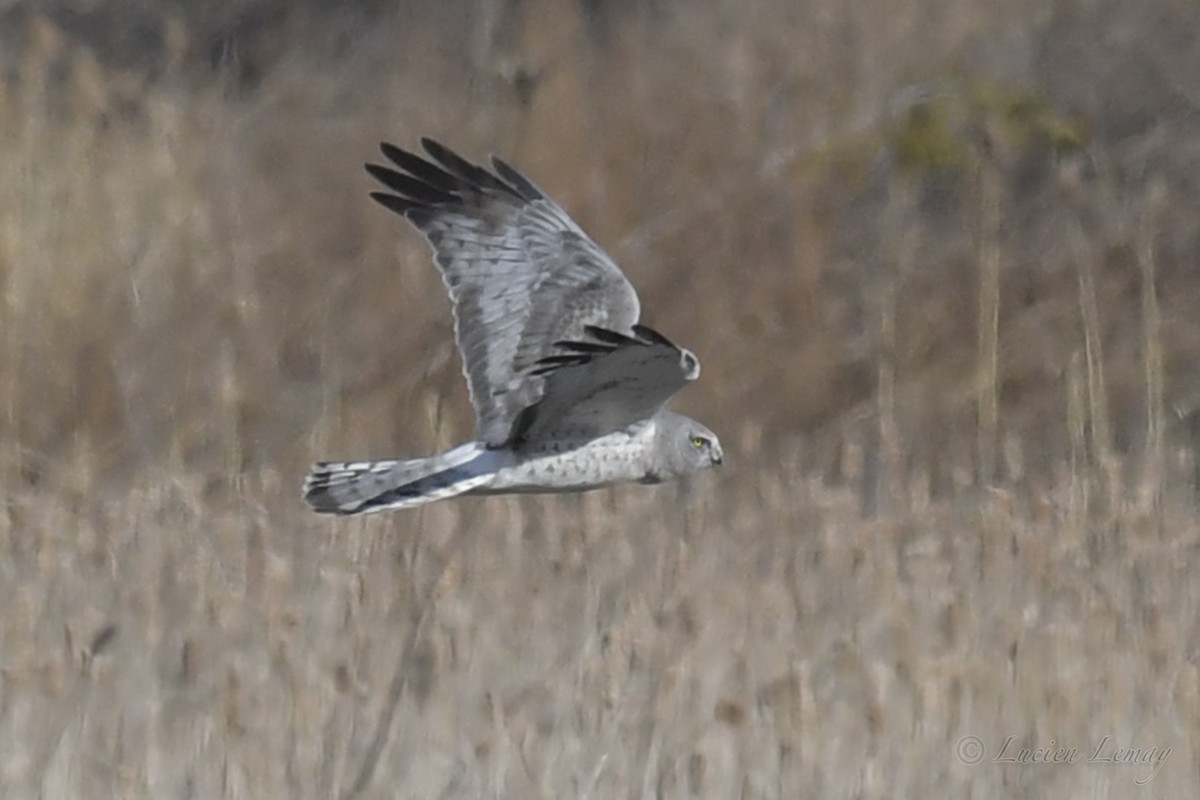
point(939, 259)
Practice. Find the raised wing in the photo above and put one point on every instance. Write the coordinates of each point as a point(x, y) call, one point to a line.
point(605, 383)
point(521, 274)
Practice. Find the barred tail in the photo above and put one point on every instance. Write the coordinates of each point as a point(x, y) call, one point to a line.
point(365, 487)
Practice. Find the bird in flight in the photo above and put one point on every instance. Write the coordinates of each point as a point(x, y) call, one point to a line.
point(569, 391)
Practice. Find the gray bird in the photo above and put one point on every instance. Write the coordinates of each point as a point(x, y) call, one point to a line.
point(569, 392)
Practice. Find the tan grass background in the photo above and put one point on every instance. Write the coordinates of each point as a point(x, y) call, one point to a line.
point(939, 259)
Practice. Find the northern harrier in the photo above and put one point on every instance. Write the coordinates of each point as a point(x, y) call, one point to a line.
point(569, 391)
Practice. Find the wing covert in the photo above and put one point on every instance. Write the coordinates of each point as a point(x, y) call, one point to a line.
point(604, 383)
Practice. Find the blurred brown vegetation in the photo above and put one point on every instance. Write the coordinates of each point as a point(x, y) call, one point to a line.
point(938, 258)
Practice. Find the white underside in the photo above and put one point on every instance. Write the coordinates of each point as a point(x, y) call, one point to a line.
point(564, 465)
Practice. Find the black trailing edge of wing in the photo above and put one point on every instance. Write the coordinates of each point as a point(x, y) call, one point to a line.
point(577, 353)
point(444, 179)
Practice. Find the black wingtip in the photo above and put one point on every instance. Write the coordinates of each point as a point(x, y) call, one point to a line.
point(395, 154)
point(433, 147)
point(409, 187)
point(472, 173)
point(575, 353)
point(607, 336)
point(583, 347)
point(516, 180)
point(450, 160)
point(652, 336)
point(394, 203)
point(421, 169)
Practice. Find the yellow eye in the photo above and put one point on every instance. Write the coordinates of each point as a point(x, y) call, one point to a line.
point(699, 441)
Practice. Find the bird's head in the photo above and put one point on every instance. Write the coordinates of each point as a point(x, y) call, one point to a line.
point(688, 446)
point(704, 449)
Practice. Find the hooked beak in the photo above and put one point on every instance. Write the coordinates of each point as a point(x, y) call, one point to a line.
point(718, 457)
